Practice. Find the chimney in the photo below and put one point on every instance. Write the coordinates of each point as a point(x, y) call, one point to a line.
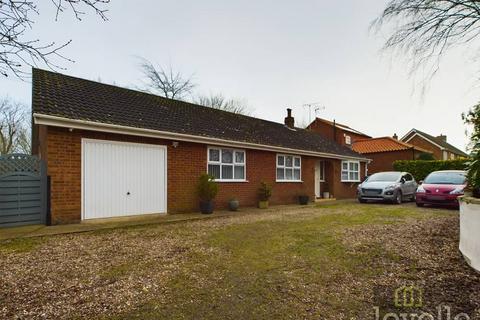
point(395, 136)
point(442, 137)
point(289, 120)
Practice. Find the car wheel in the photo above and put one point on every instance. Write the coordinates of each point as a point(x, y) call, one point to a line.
point(419, 204)
point(398, 197)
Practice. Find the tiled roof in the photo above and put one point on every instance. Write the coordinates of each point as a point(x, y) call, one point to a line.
point(73, 98)
point(383, 144)
point(438, 141)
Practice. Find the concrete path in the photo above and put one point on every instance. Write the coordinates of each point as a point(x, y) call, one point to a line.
point(110, 223)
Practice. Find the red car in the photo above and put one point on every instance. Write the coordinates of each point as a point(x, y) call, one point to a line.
point(442, 188)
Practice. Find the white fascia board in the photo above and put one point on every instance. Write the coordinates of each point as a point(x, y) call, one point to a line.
point(55, 121)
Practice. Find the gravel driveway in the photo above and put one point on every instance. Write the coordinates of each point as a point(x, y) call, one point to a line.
point(334, 262)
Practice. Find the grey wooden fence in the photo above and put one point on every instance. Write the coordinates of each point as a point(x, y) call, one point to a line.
point(23, 190)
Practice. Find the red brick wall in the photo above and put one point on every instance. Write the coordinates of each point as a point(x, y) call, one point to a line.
point(186, 163)
point(383, 161)
point(326, 130)
point(422, 143)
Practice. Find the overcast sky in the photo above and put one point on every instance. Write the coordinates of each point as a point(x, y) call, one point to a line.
point(274, 54)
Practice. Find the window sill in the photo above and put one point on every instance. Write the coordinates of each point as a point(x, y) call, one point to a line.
point(289, 181)
point(230, 181)
point(349, 181)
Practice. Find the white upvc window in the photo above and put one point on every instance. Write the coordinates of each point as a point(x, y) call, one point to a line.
point(350, 171)
point(289, 168)
point(348, 140)
point(226, 164)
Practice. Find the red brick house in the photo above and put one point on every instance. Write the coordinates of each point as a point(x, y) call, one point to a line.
point(337, 132)
point(112, 151)
point(440, 148)
point(384, 151)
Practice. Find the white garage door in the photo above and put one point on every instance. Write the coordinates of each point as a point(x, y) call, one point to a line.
point(123, 179)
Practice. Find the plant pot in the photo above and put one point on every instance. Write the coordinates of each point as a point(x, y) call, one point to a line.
point(326, 195)
point(233, 205)
point(263, 204)
point(303, 200)
point(206, 207)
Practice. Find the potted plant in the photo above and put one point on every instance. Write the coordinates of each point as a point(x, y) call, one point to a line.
point(303, 197)
point(264, 193)
point(207, 189)
point(233, 204)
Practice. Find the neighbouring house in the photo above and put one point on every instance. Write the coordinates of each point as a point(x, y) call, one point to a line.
point(337, 132)
point(384, 151)
point(440, 148)
point(112, 151)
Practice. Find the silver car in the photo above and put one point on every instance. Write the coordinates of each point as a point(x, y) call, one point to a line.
point(390, 186)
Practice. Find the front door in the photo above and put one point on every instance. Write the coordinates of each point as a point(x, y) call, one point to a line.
point(319, 177)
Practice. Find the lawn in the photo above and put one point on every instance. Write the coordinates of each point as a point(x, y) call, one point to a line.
point(334, 261)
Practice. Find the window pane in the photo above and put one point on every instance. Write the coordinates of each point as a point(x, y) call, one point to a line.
point(227, 172)
point(344, 165)
point(239, 172)
point(355, 166)
point(288, 161)
point(297, 162)
point(351, 166)
point(288, 174)
point(296, 174)
point(227, 156)
point(281, 160)
point(280, 174)
point(214, 155)
point(344, 175)
point(214, 170)
point(322, 170)
point(239, 157)
point(355, 176)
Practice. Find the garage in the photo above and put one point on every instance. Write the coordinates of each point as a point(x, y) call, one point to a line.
point(123, 179)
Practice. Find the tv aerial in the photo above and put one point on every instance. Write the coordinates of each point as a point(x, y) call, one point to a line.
point(316, 107)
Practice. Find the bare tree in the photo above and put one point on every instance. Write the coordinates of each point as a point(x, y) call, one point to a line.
point(14, 128)
point(17, 50)
point(218, 101)
point(166, 82)
point(424, 30)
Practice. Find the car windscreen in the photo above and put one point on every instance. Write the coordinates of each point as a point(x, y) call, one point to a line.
point(385, 176)
point(445, 178)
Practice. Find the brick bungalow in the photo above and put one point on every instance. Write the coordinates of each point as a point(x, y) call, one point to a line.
point(440, 148)
point(384, 151)
point(112, 151)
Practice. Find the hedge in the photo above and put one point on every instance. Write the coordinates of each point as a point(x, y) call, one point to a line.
point(421, 168)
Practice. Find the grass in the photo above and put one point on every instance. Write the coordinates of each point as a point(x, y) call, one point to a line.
point(20, 245)
point(275, 268)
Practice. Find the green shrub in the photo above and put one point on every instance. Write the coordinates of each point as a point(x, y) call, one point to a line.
point(264, 192)
point(425, 156)
point(421, 168)
point(473, 118)
point(207, 188)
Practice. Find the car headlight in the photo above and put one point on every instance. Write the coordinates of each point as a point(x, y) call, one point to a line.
point(390, 187)
point(420, 189)
point(457, 191)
